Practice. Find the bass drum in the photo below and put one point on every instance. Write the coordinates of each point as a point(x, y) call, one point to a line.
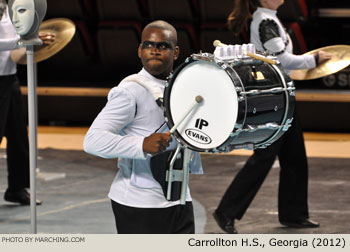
point(247, 103)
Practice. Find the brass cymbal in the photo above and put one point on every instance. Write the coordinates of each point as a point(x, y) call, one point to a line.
point(64, 30)
point(340, 59)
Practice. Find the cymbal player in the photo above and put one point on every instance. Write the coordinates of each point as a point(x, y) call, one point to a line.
point(12, 114)
point(268, 34)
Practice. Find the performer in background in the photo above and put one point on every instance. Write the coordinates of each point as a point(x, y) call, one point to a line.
point(13, 123)
point(268, 34)
point(131, 127)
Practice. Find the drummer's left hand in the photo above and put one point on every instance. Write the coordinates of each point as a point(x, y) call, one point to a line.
point(47, 37)
point(323, 56)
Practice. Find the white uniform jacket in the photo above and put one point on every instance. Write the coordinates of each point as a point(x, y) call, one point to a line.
point(8, 42)
point(130, 115)
point(268, 34)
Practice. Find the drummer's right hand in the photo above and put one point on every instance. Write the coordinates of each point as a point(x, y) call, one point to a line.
point(323, 56)
point(156, 143)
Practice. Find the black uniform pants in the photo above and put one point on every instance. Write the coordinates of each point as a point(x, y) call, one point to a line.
point(293, 184)
point(177, 219)
point(13, 125)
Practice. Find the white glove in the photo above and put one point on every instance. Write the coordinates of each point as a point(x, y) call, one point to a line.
point(230, 52)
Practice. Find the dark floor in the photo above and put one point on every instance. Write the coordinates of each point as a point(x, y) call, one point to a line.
point(74, 185)
point(329, 198)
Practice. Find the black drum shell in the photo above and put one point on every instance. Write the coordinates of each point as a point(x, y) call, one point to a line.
point(253, 110)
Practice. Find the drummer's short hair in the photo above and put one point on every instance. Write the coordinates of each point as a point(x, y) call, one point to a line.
point(160, 24)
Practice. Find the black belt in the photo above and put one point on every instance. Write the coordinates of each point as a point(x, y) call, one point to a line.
point(7, 77)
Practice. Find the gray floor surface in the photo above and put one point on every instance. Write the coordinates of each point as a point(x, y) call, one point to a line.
point(74, 185)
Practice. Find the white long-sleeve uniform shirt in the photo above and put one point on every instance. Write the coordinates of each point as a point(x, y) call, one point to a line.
point(280, 45)
point(130, 115)
point(8, 42)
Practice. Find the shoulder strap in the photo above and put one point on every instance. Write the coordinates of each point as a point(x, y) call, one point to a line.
point(152, 87)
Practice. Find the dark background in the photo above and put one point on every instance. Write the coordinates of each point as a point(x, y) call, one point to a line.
point(104, 49)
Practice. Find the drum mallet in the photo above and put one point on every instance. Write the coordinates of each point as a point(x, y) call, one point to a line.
point(196, 101)
point(185, 170)
point(217, 43)
point(267, 60)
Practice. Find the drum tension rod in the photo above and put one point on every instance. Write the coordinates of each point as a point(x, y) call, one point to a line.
point(254, 72)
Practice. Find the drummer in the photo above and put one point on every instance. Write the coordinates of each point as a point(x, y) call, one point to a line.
point(131, 127)
point(268, 34)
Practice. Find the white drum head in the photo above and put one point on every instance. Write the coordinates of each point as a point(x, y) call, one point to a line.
point(210, 123)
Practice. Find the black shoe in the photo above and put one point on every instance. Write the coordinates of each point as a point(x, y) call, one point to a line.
point(225, 223)
point(21, 196)
point(306, 223)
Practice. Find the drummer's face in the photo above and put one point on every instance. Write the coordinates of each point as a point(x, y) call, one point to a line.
point(271, 4)
point(158, 52)
point(23, 15)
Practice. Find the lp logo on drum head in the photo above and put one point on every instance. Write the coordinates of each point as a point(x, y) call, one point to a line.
point(197, 135)
point(200, 123)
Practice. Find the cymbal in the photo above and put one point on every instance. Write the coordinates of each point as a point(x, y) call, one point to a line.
point(64, 30)
point(340, 59)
